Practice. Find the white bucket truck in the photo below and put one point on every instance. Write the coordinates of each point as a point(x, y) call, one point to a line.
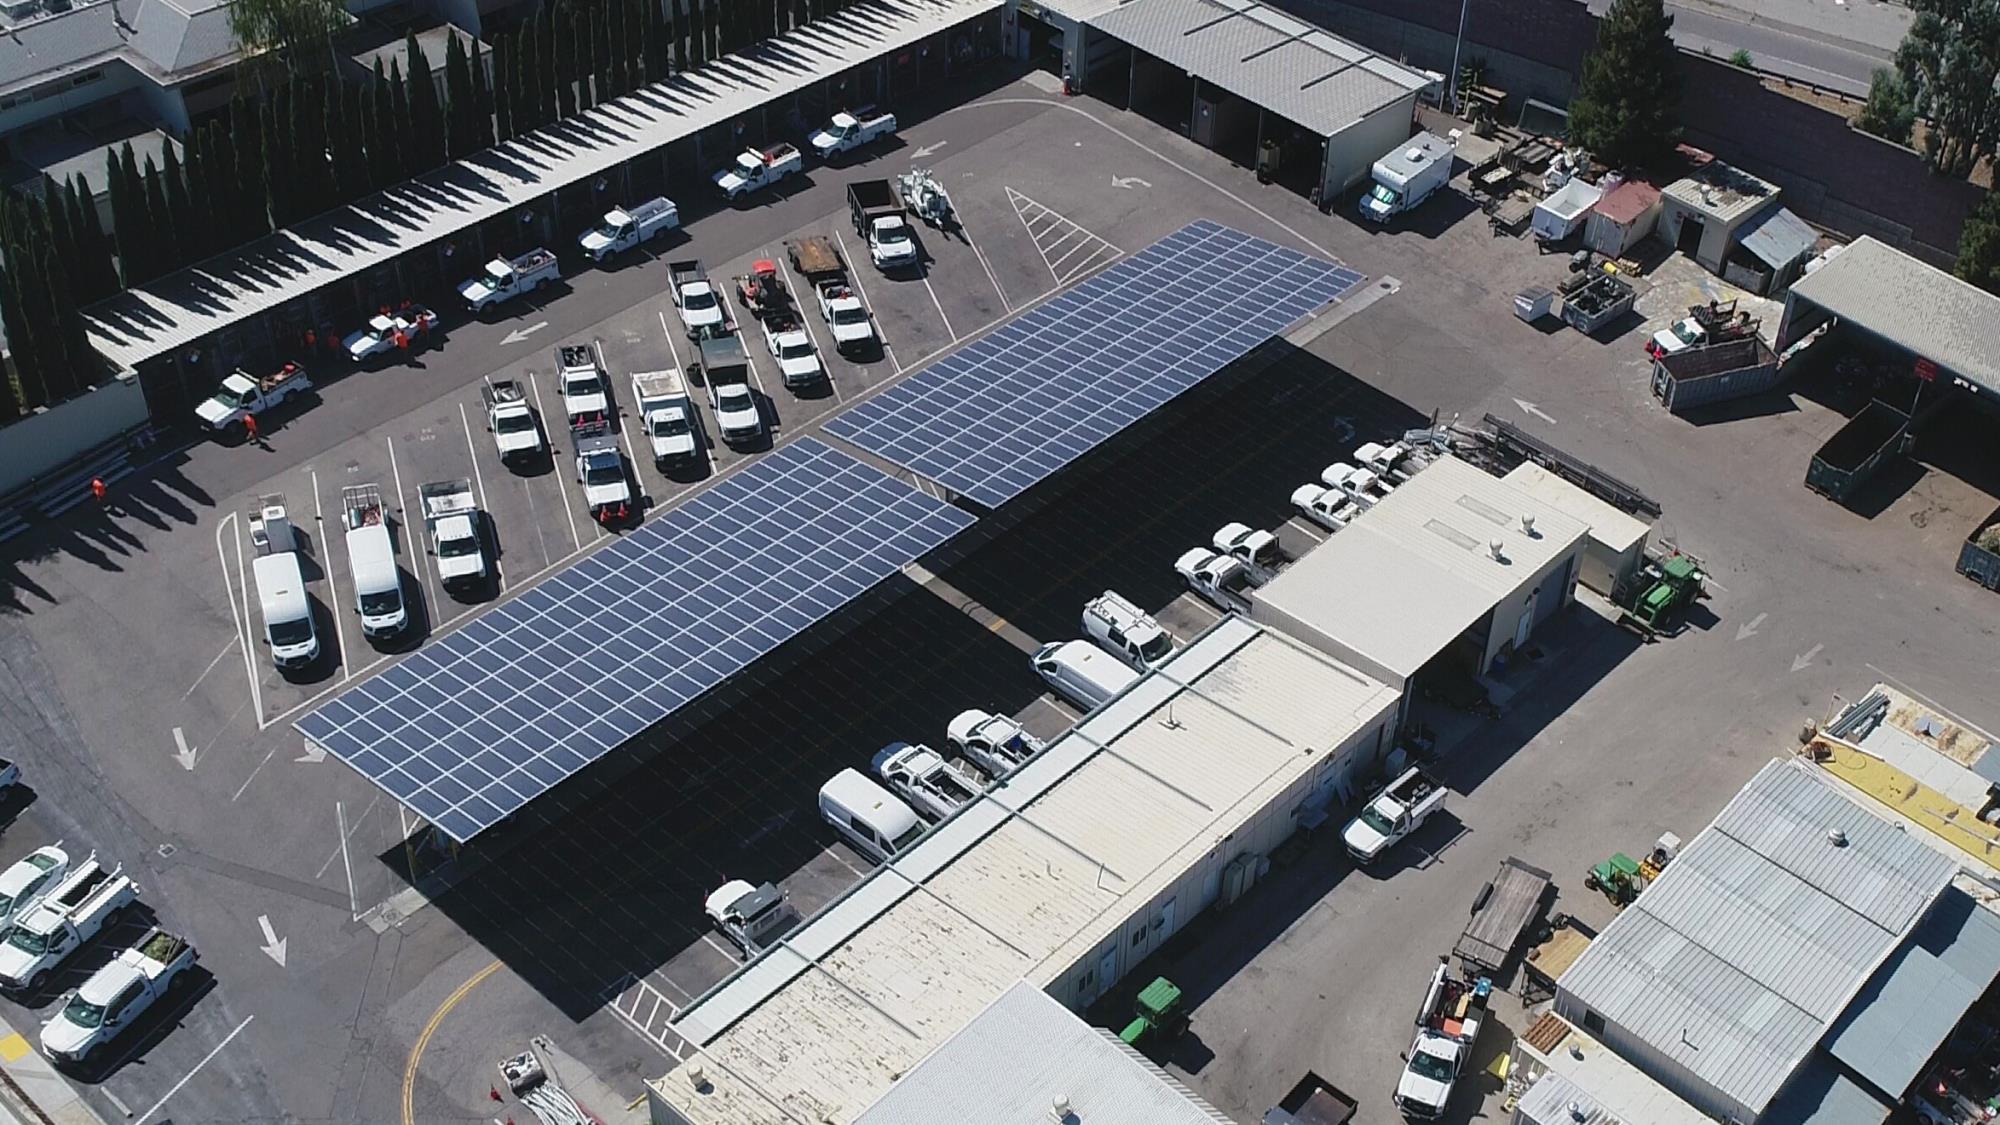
point(1407, 176)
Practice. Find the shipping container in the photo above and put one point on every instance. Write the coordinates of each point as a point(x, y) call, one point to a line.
point(1699, 377)
point(1853, 454)
point(1979, 558)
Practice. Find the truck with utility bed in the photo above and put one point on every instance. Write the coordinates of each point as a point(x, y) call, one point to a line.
point(995, 743)
point(242, 394)
point(933, 784)
point(849, 131)
point(626, 227)
point(754, 918)
point(1448, 1026)
point(114, 997)
point(1253, 545)
point(600, 469)
point(586, 397)
point(666, 414)
point(696, 298)
point(789, 343)
point(846, 317)
point(1222, 581)
point(517, 433)
point(757, 168)
point(725, 370)
point(387, 333)
point(86, 901)
point(878, 217)
point(454, 525)
point(507, 278)
point(1398, 810)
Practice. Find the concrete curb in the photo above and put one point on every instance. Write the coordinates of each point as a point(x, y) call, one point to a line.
point(31, 1092)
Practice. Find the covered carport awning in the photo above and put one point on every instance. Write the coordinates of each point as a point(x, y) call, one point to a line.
point(1917, 307)
point(1314, 79)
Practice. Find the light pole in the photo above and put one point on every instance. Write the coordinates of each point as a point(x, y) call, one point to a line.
point(1451, 86)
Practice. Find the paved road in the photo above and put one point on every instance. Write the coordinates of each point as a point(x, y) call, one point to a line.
point(1830, 42)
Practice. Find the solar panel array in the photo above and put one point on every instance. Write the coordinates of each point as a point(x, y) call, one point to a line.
point(485, 719)
point(999, 415)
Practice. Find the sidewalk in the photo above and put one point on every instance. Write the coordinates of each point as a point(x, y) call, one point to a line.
point(31, 1092)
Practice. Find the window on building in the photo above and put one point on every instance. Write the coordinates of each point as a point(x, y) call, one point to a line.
point(1592, 1022)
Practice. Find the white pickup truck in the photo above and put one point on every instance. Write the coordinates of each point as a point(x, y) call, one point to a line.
point(849, 131)
point(997, 743)
point(600, 468)
point(81, 905)
point(388, 333)
point(1253, 545)
point(517, 433)
point(1222, 581)
point(756, 169)
point(791, 345)
point(507, 278)
point(1330, 508)
point(626, 227)
point(452, 520)
point(755, 918)
point(115, 996)
point(25, 884)
point(1364, 486)
point(666, 414)
point(1448, 1027)
point(698, 300)
point(242, 394)
point(934, 785)
point(1398, 810)
point(1394, 462)
point(585, 397)
point(846, 317)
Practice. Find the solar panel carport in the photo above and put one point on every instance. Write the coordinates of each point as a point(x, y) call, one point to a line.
point(1358, 103)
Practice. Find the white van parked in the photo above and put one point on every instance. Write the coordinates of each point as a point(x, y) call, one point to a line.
point(371, 557)
point(867, 815)
point(1083, 673)
point(288, 619)
point(1126, 631)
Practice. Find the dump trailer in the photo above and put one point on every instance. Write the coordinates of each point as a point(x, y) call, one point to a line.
point(1698, 377)
point(1312, 1101)
point(1502, 911)
point(1979, 558)
point(1852, 455)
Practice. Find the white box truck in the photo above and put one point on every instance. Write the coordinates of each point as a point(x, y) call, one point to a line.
point(1407, 177)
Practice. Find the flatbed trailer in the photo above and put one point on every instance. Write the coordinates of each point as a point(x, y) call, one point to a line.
point(815, 258)
point(1501, 913)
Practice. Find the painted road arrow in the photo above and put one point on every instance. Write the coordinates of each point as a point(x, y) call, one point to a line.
point(1749, 628)
point(1803, 662)
point(520, 334)
point(922, 151)
point(1128, 182)
point(183, 753)
point(274, 946)
point(1530, 408)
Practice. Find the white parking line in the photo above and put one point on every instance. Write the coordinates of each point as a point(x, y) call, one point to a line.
point(326, 568)
point(625, 439)
point(245, 624)
point(987, 266)
point(351, 830)
point(416, 538)
point(225, 648)
point(707, 446)
point(798, 295)
point(939, 305)
point(854, 279)
point(535, 387)
point(726, 951)
point(205, 1060)
point(479, 479)
point(842, 860)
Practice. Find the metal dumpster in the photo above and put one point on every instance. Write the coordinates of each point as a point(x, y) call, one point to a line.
point(1853, 454)
point(1699, 377)
point(1979, 558)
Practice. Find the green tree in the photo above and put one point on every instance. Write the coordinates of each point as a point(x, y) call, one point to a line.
point(276, 129)
point(66, 361)
point(301, 30)
point(62, 233)
point(1629, 94)
point(166, 255)
point(136, 260)
point(461, 106)
point(564, 39)
point(382, 160)
point(350, 156)
point(407, 162)
point(178, 231)
point(208, 235)
point(20, 339)
point(503, 94)
point(1949, 62)
point(1888, 113)
point(659, 33)
point(90, 234)
point(249, 188)
point(584, 39)
point(1979, 245)
point(482, 102)
point(314, 188)
point(546, 72)
point(426, 116)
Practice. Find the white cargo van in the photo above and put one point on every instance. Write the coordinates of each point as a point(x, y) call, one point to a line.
point(867, 815)
point(288, 621)
point(1083, 673)
point(1125, 631)
point(371, 557)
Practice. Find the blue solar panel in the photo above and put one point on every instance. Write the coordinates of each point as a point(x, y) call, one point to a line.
point(997, 416)
point(487, 718)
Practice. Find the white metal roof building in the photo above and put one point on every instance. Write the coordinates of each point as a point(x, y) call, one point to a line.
point(1565, 1067)
point(1617, 543)
point(1409, 577)
point(1725, 975)
point(1917, 307)
point(1015, 1059)
point(189, 306)
point(1067, 874)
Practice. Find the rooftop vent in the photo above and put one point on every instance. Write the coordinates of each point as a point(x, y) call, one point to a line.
point(1576, 1112)
point(1527, 523)
point(1059, 1110)
point(1497, 549)
point(697, 1076)
point(1837, 837)
point(1413, 153)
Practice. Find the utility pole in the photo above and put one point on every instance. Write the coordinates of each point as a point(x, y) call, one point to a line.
point(1451, 85)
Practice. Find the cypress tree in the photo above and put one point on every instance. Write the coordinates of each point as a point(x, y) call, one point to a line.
point(408, 160)
point(350, 159)
point(134, 224)
point(178, 231)
point(425, 114)
point(545, 70)
point(482, 102)
point(65, 358)
point(503, 101)
point(309, 146)
point(275, 128)
point(584, 42)
point(96, 247)
point(203, 236)
point(564, 38)
point(20, 338)
point(621, 43)
point(531, 92)
point(252, 193)
point(10, 404)
point(381, 130)
point(657, 30)
point(62, 236)
point(162, 252)
point(460, 104)
point(698, 35)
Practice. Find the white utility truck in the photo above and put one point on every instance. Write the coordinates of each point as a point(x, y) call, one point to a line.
point(586, 397)
point(1330, 508)
point(25, 884)
point(517, 433)
point(600, 469)
point(878, 218)
point(846, 317)
point(1407, 176)
point(996, 743)
point(1253, 545)
point(453, 521)
point(792, 346)
point(114, 997)
point(242, 394)
point(726, 370)
point(626, 227)
point(507, 278)
point(86, 901)
point(933, 784)
point(849, 131)
point(1222, 581)
point(1363, 486)
point(755, 169)
point(1448, 1027)
point(1398, 810)
point(755, 918)
point(387, 333)
point(666, 414)
point(699, 301)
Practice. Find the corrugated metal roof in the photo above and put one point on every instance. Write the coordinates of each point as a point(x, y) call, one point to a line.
point(1596, 1077)
point(1735, 961)
point(1822, 1095)
point(1914, 306)
point(1618, 531)
point(1025, 881)
point(1311, 77)
point(187, 306)
point(1778, 237)
point(1627, 201)
point(1409, 575)
point(1898, 1022)
point(1007, 1065)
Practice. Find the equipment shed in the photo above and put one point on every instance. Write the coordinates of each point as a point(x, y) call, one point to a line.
point(1617, 545)
point(1622, 219)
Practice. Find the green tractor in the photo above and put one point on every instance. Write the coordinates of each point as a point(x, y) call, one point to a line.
point(1667, 586)
point(1159, 1014)
point(1618, 877)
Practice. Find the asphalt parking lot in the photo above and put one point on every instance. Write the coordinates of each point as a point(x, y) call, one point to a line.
point(148, 729)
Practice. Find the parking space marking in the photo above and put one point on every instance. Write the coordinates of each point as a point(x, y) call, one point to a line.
point(707, 446)
point(966, 233)
point(326, 568)
point(723, 949)
point(792, 283)
point(351, 829)
point(253, 774)
point(535, 387)
point(842, 860)
point(225, 648)
point(1063, 229)
point(625, 439)
point(205, 1060)
point(412, 540)
point(340, 818)
point(854, 278)
point(479, 480)
point(241, 625)
point(939, 305)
